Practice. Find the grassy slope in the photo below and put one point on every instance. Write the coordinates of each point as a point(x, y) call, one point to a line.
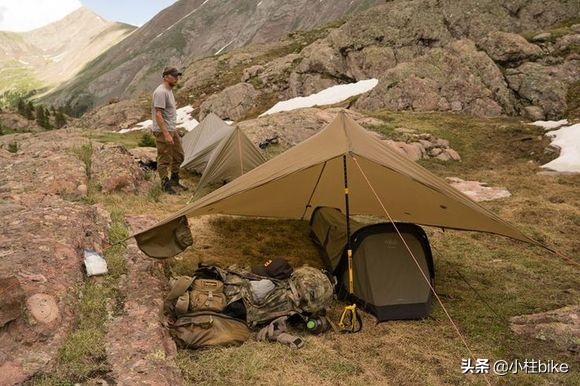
point(16, 77)
point(513, 277)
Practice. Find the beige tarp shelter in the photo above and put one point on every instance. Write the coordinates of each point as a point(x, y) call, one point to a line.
point(234, 156)
point(200, 142)
point(386, 281)
point(310, 175)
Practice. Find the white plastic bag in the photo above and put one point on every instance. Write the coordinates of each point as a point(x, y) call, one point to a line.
point(94, 263)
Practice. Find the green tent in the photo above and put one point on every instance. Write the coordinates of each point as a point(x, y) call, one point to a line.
point(234, 156)
point(386, 281)
point(200, 142)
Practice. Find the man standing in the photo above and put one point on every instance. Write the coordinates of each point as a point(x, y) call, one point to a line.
point(169, 148)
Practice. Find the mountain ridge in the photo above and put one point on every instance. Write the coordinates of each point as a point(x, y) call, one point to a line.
point(187, 30)
point(46, 56)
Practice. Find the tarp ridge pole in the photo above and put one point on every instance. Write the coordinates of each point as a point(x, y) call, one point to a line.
point(418, 265)
point(350, 320)
point(348, 242)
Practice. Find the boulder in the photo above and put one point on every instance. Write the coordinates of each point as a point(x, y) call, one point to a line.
point(117, 116)
point(560, 326)
point(453, 154)
point(544, 86)
point(534, 113)
point(508, 48)
point(232, 103)
point(293, 127)
point(478, 191)
point(115, 169)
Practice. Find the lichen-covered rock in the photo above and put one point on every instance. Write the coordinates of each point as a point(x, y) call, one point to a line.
point(118, 115)
point(545, 87)
point(446, 79)
point(561, 327)
point(232, 103)
point(508, 48)
point(114, 169)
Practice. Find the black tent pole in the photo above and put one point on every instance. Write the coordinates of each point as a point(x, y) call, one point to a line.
point(348, 243)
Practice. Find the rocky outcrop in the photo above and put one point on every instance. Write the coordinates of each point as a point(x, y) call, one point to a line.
point(17, 123)
point(59, 163)
point(143, 355)
point(117, 115)
point(432, 56)
point(41, 247)
point(45, 227)
point(457, 77)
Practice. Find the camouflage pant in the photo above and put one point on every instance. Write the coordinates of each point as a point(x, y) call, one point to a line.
point(169, 157)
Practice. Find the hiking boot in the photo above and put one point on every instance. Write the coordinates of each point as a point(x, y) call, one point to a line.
point(167, 186)
point(175, 183)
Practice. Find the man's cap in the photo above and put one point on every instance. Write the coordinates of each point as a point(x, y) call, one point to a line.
point(172, 71)
point(276, 268)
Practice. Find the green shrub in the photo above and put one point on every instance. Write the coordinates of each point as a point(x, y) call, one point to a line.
point(13, 147)
point(147, 140)
point(85, 154)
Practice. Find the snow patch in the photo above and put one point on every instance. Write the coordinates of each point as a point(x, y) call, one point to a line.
point(183, 120)
point(224, 47)
point(328, 96)
point(567, 139)
point(58, 58)
point(550, 125)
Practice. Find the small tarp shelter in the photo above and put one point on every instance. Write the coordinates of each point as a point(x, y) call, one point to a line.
point(386, 283)
point(200, 142)
point(310, 175)
point(234, 156)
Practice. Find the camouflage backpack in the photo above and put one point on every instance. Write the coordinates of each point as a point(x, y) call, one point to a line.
point(308, 291)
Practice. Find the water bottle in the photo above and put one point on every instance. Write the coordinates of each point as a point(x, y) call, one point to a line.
point(317, 325)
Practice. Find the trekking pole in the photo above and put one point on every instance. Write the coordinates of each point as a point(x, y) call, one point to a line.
point(350, 320)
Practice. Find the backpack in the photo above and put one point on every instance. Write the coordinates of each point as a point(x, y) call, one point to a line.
point(206, 328)
point(192, 294)
point(307, 292)
point(314, 289)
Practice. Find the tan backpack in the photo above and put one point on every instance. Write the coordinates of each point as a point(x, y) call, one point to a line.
point(191, 294)
point(206, 328)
